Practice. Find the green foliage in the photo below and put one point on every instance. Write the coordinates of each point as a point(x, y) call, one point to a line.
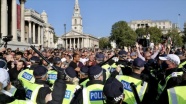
point(184, 36)
point(55, 39)
point(122, 34)
point(104, 43)
point(155, 34)
point(140, 31)
point(176, 38)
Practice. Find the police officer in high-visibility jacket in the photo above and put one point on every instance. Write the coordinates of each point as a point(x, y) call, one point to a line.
point(26, 76)
point(83, 76)
point(7, 97)
point(72, 83)
point(171, 75)
point(93, 92)
point(138, 79)
point(52, 74)
point(113, 91)
point(37, 91)
point(126, 70)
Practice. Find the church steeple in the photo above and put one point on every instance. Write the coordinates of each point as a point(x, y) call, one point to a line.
point(77, 19)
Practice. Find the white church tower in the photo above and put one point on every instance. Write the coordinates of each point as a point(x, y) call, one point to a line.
point(77, 19)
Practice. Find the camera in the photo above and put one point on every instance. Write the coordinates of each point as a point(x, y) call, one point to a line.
point(7, 38)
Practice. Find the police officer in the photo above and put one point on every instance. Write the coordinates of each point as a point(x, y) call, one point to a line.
point(26, 76)
point(92, 93)
point(171, 77)
point(72, 83)
point(52, 74)
point(37, 91)
point(83, 76)
point(176, 94)
point(5, 85)
point(113, 91)
point(126, 70)
point(137, 78)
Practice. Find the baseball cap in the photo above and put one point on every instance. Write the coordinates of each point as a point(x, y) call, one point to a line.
point(57, 60)
point(40, 71)
point(113, 90)
point(84, 70)
point(35, 59)
point(70, 72)
point(171, 57)
point(100, 56)
point(3, 64)
point(95, 72)
point(138, 62)
point(133, 54)
point(4, 77)
point(122, 52)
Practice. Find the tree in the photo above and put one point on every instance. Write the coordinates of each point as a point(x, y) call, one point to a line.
point(122, 34)
point(104, 43)
point(184, 36)
point(140, 31)
point(155, 34)
point(176, 38)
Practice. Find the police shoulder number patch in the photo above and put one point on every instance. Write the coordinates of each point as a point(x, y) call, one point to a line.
point(28, 94)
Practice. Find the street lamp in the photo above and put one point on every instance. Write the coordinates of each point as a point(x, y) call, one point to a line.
point(65, 35)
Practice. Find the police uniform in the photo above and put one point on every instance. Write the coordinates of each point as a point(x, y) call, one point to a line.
point(141, 84)
point(37, 91)
point(125, 69)
point(93, 92)
point(71, 87)
point(113, 91)
point(84, 71)
point(52, 74)
point(172, 76)
point(26, 76)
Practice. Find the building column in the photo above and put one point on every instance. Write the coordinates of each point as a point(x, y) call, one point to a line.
point(74, 42)
point(82, 43)
point(4, 17)
point(42, 36)
point(70, 43)
point(33, 41)
point(22, 2)
point(30, 32)
point(66, 42)
point(39, 35)
point(78, 43)
point(14, 20)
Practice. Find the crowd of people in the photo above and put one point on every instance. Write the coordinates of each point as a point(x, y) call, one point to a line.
point(94, 76)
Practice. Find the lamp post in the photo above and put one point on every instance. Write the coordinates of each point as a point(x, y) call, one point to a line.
point(65, 35)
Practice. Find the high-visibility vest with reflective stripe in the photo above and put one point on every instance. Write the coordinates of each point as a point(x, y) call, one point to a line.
point(106, 67)
point(26, 77)
point(12, 90)
point(21, 102)
point(84, 83)
point(140, 87)
point(70, 90)
point(182, 64)
point(93, 94)
point(52, 76)
point(162, 87)
point(177, 95)
point(32, 92)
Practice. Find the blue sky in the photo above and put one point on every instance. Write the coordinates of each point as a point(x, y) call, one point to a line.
point(100, 15)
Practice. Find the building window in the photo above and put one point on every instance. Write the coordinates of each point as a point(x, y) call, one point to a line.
point(75, 28)
point(75, 21)
point(159, 27)
point(163, 27)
